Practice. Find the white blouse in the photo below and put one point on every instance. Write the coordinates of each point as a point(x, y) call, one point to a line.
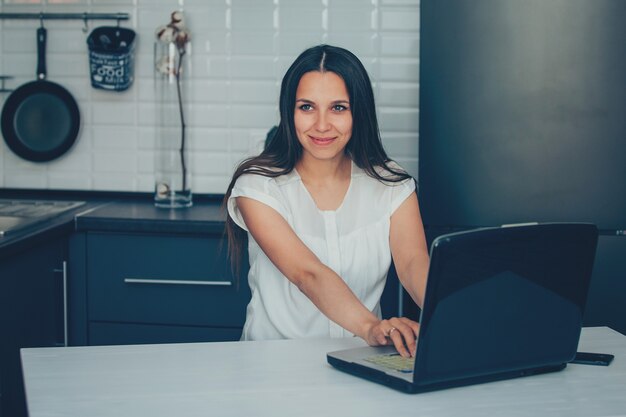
point(352, 240)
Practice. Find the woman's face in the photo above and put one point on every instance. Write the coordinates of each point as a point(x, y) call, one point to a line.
point(322, 117)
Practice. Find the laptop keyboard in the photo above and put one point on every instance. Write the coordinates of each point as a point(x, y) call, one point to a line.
point(393, 361)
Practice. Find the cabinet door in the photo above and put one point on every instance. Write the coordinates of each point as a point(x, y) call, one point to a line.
point(31, 313)
point(163, 280)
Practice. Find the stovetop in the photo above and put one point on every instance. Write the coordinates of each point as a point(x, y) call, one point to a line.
point(18, 214)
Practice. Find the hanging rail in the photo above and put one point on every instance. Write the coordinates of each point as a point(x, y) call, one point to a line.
point(66, 16)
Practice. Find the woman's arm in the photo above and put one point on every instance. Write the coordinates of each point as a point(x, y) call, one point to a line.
point(409, 249)
point(318, 282)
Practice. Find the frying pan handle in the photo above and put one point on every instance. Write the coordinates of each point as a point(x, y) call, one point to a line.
point(41, 53)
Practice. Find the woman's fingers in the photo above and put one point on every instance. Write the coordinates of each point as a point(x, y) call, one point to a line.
point(415, 326)
point(400, 331)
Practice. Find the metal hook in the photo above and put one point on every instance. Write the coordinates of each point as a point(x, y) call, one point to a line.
point(85, 26)
point(41, 19)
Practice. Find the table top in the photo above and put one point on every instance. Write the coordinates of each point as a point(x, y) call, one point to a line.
point(292, 377)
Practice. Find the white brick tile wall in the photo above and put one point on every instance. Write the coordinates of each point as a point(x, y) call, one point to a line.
point(240, 51)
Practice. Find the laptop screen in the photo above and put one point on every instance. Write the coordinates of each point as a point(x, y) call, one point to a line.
point(503, 299)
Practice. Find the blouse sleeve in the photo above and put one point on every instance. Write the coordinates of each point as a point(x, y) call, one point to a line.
point(256, 187)
point(401, 192)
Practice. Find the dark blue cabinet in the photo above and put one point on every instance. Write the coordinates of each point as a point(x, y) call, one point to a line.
point(154, 288)
point(32, 313)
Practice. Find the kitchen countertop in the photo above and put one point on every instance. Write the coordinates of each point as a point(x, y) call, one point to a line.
point(113, 212)
point(142, 216)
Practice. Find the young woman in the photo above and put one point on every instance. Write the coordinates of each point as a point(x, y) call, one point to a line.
point(324, 210)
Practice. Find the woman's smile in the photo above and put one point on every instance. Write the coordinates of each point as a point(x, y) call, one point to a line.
point(321, 140)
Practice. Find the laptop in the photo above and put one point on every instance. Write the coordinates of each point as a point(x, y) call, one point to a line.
point(500, 303)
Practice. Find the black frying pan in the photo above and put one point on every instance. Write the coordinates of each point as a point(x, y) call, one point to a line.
point(40, 119)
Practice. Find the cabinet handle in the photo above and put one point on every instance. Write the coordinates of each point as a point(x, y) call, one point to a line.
point(175, 282)
point(65, 338)
point(64, 272)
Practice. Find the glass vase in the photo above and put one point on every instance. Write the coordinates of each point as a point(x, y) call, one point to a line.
point(171, 166)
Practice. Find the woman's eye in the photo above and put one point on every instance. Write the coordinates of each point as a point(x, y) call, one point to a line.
point(306, 107)
point(339, 108)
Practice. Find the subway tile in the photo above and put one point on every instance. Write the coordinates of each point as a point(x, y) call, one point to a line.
point(400, 144)
point(111, 137)
point(253, 19)
point(144, 182)
point(400, 19)
point(399, 2)
point(114, 182)
point(303, 4)
point(193, 5)
point(394, 119)
point(400, 44)
point(398, 94)
point(19, 41)
point(209, 43)
point(300, 20)
point(209, 115)
point(252, 43)
point(145, 161)
point(12, 162)
point(146, 114)
point(210, 139)
point(263, 92)
point(254, 3)
point(21, 179)
point(209, 91)
point(351, 4)
point(67, 65)
point(113, 113)
point(211, 66)
point(239, 140)
point(103, 3)
point(399, 69)
point(163, 4)
point(210, 163)
point(210, 184)
point(117, 161)
point(23, 67)
point(146, 137)
point(68, 181)
point(205, 17)
point(253, 116)
point(257, 68)
point(352, 20)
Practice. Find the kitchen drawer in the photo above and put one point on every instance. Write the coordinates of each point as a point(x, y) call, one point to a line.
point(119, 333)
point(162, 279)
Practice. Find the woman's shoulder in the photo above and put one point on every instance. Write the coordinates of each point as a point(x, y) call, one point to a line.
point(264, 177)
point(389, 174)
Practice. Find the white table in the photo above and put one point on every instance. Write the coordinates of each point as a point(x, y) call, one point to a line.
point(292, 378)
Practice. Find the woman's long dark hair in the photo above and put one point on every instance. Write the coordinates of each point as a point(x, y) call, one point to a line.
point(284, 150)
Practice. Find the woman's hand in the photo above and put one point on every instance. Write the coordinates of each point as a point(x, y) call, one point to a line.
point(400, 331)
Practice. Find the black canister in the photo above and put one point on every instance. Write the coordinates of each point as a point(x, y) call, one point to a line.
point(111, 57)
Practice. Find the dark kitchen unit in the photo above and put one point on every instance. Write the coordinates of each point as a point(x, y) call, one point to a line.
point(33, 296)
point(522, 119)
